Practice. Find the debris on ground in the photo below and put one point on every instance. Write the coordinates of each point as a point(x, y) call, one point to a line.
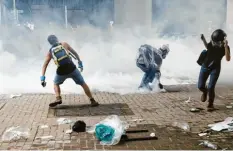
point(15, 133)
point(196, 109)
point(226, 124)
point(229, 107)
point(188, 101)
point(202, 134)
point(183, 125)
point(79, 126)
point(230, 129)
point(69, 131)
point(49, 137)
point(61, 121)
point(209, 144)
point(44, 126)
point(109, 130)
point(15, 95)
point(136, 120)
point(152, 134)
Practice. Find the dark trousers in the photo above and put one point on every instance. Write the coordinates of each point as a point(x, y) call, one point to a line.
point(148, 76)
point(204, 75)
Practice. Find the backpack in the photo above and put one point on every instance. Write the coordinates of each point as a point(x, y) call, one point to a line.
point(202, 57)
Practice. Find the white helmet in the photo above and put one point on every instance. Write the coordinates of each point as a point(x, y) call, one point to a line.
point(165, 50)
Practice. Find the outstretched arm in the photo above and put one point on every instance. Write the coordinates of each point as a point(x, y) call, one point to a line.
point(204, 41)
point(47, 60)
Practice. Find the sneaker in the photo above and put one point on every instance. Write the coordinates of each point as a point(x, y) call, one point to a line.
point(204, 97)
point(211, 107)
point(160, 86)
point(94, 103)
point(57, 102)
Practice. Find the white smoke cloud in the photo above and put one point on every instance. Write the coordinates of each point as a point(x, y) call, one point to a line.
point(108, 58)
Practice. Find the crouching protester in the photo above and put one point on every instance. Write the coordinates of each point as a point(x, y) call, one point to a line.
point(61, 53)
point(210, 62)
point(149, 61)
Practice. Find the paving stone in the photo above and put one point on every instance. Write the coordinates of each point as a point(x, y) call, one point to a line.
point(158, 111)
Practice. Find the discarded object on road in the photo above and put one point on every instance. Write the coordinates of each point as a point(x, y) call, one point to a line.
point(196, 109)
point(79, 126)
point(109, 130)
point(182, 125)
point(49, 137)
point(202, 134)
point(69, 131)
point(15, 133)
point(209, 144)
point(136, 120)
point(15, 95)
point(104, 133)
point(125, 138)
point(136, 131)
point(229, 107)
point(61, 121)
point(226, 124)
point(44, 126)
point(188, 101)
point(152, 135)
point(230, 129)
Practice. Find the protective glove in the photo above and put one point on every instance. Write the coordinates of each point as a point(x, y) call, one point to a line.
point(42, 79)
point(80, 65)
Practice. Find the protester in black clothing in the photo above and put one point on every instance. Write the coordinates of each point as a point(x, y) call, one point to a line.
point(217, 48)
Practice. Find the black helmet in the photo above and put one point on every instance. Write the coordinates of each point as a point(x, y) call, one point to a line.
point(52, 39)
point(218, 35)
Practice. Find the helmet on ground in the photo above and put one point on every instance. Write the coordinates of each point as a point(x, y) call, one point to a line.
point(52, 39)
point(165, 50)
point(218, 35)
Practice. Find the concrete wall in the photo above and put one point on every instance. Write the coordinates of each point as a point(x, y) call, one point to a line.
point(229, 20)
point(133, 12)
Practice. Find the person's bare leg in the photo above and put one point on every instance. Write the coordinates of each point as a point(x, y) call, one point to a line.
point(57, 91)
point(87, 90)
point(88, 93)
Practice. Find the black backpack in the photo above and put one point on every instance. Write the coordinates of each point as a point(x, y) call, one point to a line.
point(202, 57)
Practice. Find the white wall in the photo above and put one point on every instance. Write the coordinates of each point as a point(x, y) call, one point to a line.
point(230, 15)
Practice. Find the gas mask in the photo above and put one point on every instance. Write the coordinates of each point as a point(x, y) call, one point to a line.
point(165, 50)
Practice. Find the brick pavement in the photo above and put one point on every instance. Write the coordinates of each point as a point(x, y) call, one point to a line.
point(158, 110)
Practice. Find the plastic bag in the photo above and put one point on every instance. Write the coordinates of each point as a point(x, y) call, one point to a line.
point(104, 133)
point(182, 125)
point(226, 124)
point(15, 133)
point(61, 121)
point(209, 144)
point(109, 130)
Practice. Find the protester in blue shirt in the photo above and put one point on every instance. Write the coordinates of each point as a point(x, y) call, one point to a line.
point(61, 53)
